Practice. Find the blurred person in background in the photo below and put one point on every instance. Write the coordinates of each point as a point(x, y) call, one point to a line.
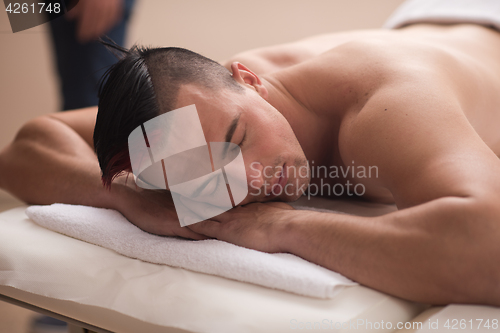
point(80, 58)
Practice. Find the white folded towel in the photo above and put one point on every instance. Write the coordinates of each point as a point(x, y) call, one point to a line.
point(483, 12)
point(109, 229)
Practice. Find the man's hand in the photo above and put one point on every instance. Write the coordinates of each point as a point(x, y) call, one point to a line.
point(253, 226)
point(152, 211)
point(95, 17)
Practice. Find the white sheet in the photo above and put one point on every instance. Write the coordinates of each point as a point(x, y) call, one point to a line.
point(111, 230)
point(483, 12)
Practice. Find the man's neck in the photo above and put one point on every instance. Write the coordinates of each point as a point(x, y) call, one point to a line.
point(316, 130)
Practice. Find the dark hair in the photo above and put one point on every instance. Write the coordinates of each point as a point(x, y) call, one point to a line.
point(143, 84)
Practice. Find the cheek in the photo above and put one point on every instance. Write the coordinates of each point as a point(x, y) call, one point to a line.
point(271, 131)
point(270, 137)
point(267, 145)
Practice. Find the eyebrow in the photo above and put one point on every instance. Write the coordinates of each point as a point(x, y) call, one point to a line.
point(232, 128)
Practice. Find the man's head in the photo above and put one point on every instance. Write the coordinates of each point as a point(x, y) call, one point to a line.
point(147, 82)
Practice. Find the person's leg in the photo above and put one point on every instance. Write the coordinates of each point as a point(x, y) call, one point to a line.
point(80, 66)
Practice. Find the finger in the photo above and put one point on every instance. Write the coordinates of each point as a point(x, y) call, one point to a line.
point(166, 229)
point(104, 21)
point(112, 14)
point(207, 228)
point(84, 25)
point(91, 21)
point(226, 216)
point(73, 13)
point(187, 233)
point(281, 205)
point(118, 11)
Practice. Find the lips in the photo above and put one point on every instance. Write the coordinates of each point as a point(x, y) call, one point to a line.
point(279, 184)
point(283, 178)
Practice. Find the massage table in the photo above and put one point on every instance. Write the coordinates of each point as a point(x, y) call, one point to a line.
point(98, 289)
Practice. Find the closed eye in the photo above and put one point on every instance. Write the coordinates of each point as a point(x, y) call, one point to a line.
point(243, 140)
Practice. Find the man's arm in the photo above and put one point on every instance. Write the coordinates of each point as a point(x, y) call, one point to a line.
point(441, 247)
point(51, 160)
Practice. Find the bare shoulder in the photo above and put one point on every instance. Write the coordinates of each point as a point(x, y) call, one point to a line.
point(423, 145)
point(81, 121)
point(86, 114)
point(269, 59)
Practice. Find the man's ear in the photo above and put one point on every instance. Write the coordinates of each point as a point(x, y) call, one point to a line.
point(245, 76)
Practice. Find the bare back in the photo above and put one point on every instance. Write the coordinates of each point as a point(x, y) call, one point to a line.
point(463, 58)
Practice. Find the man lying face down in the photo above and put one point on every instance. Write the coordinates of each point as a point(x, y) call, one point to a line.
point(150, 82)
point(418, 105)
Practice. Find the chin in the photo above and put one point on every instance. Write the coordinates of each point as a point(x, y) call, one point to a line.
point(300, 187)
point(290, 198)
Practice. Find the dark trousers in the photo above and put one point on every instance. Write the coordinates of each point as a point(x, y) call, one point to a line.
point(80, 66)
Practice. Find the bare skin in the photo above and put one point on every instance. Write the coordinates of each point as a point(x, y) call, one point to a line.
point(95, 17)
point(419, 103)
